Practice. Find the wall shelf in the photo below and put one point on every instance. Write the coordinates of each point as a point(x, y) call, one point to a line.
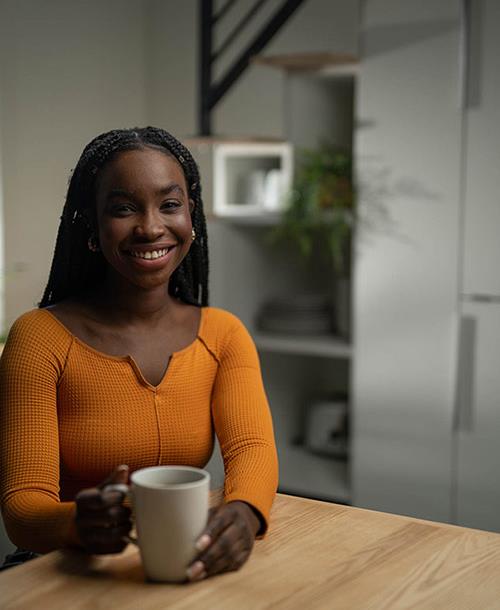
point(320, 64)
point(326, 346)
point(243, 179)
point(307, 474)
point(318, 94)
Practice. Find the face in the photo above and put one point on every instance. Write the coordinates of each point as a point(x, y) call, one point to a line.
point(143, 216)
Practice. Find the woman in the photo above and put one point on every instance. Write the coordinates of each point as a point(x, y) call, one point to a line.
point(124, 366)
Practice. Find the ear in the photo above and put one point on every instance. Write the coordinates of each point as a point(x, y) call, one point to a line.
point(191, 206)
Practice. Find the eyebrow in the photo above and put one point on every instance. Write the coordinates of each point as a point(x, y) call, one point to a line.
point(166, 190)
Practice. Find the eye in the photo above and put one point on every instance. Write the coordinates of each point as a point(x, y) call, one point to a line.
point(169, 205)
point(121, 209)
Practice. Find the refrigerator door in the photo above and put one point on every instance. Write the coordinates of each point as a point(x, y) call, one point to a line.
point(477, 439)
point(405, 293)
point(482, 161)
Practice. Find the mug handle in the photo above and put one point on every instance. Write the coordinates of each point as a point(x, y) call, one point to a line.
point(125, 490)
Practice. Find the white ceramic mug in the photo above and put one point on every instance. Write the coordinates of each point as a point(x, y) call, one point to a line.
point(170, 504)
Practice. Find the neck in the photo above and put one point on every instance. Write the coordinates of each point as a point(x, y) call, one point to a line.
point(129, 303)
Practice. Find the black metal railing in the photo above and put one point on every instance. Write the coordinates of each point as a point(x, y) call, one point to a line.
point(210, 92)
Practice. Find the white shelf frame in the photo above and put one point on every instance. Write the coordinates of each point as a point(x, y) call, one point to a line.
point(222, 152)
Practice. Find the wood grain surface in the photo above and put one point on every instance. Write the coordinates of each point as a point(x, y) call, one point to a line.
point(316, 555)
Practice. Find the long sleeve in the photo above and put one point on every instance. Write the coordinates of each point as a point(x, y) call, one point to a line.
point(70, 414)
point(243, 425)
point(30, 368)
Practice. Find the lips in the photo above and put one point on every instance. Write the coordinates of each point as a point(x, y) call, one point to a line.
point(150, 254)
point(151, 257)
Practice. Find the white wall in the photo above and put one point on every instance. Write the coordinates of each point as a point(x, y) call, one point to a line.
point(70, 70)
point(171, 67)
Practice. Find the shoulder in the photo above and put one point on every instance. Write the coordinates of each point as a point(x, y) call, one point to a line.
point(37, 322)
point(38, 331)
point(220, 324)
point(222, 320)
point(223, 332)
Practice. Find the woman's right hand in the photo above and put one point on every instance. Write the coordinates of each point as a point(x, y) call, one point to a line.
point(102, 521)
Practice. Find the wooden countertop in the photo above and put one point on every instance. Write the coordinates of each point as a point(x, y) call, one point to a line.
point(317, 555)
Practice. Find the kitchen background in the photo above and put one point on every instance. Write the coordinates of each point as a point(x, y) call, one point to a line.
point(381, 369)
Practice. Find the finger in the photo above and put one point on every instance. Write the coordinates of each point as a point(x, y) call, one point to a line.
point(121, 487)
point(114, 494)
point(89, 499)
point(228, 564)
point(93, 499)
point(240, 559)
point(108, 534)
point(119, 475)
point(101, 540)
point(224, 549)
point(218, 520)
point(116, 515)
point(228, 552)
point(120, 514)
point(223, 564)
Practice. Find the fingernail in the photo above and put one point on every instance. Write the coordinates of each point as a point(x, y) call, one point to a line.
point(203, 542)
point(194, 571)
point(122, 467)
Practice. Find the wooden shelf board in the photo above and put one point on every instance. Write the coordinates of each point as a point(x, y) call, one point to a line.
point(323, 64)
point(308, 345)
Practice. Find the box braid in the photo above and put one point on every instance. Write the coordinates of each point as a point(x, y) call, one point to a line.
point(75, 270)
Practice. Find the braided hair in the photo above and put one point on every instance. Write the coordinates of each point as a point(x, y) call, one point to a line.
point(75, 269)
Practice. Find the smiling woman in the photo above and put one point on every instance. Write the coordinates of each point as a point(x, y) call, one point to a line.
point(124, 365)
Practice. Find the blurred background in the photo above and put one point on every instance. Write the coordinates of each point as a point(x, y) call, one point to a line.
point(348, 152)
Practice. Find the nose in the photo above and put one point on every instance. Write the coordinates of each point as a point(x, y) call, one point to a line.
point(150, 227)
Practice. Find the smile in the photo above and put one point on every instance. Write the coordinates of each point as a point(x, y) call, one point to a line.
point(150, 254)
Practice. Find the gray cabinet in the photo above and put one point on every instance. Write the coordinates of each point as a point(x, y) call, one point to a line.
point(477, 490)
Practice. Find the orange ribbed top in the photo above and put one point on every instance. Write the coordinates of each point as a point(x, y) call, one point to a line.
point(70, 414)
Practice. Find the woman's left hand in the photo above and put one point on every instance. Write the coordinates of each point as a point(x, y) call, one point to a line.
point(227, 541)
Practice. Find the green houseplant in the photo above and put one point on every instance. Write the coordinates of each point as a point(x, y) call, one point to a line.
point(320, 211)
point(319, 219)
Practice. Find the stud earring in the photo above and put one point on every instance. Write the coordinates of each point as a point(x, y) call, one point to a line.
point(193, 234)
point(92, 243)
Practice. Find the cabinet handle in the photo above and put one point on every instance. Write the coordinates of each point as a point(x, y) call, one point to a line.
point(464, 54)
point(463, 417)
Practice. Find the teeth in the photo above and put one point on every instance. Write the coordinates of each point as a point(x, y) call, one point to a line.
point(150, 254)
